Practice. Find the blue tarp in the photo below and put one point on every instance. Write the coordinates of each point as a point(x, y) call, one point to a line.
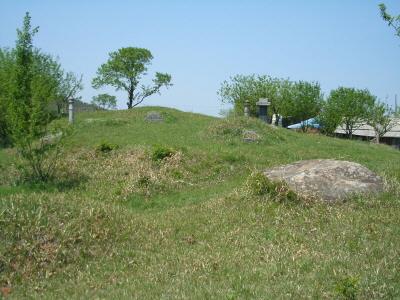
point(307, 123)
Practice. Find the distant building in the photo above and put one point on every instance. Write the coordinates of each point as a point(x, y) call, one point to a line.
point(367, 133)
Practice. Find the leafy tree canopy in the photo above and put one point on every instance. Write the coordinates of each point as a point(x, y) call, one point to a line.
point(105, 101)
point(31, 84)
point(347, 107)
point(124, 70)
point(298, 100)
point(393, 21)
point(304, 101)
point(241, 88)
point(380, 117)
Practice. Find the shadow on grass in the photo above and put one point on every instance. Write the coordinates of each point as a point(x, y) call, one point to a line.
point(62, 184)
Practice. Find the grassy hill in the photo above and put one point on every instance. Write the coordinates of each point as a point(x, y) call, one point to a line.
point(167, 213)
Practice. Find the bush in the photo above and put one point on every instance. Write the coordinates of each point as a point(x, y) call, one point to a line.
point(258, 184)
point(38, 158)
point(161, 152)
point(106, 147)
point(348, 288)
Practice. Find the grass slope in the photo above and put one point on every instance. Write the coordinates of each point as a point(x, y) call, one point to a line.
point(123, 225)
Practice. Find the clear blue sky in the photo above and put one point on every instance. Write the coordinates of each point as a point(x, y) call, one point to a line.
point(202, 43)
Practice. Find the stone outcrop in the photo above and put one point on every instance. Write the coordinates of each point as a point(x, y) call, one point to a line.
point(327, 179)
point(154, 116)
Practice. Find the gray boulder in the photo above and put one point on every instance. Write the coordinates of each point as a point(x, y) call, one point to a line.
point(154, 116)
point(327, 179)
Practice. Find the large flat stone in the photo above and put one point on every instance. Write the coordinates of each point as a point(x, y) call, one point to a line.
point(154, 116)
point(327, 179)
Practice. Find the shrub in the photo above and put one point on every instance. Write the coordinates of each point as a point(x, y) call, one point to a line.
point(161, 152)
point(106, 147)
point(348, 287)
point(258, 184)
point(38, 158)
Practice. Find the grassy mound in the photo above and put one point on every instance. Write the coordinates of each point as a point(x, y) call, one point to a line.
point(178, 210)
point(234, 129)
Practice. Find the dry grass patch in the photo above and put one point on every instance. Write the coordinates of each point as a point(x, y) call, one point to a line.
point(235, 128)
point(119, 174)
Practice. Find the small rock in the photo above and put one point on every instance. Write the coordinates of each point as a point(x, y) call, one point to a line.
point(52, 138)
point(327, 179)
point(154, 116)
point(250, 136)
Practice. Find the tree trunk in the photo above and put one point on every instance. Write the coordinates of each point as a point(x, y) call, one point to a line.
point(130, 98)
point(349, 131)
point(377, 138)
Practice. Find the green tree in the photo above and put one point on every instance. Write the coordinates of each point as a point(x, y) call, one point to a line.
point(105, 101)
point(29, 113)
point(297, 100)
point(304, 101)
point(22, 106)
point(380, 119)
point(124, 70)
point(393, 21)
point(63, 85)
point(6, 69)
point(241, 88)
point(348, 108)
point(68, 87)
point(51, 81)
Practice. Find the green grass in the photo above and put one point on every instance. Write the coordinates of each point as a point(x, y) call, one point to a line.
point(123, 225)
